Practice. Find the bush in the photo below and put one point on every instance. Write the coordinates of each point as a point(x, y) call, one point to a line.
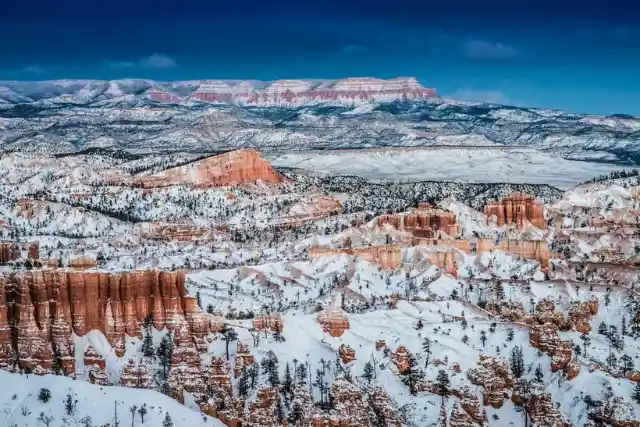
point(45, 395)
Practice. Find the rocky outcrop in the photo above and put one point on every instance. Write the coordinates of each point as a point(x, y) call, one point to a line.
point(495, 376)
point(273, 322)
point(537, 250)
point(334, 320)
point(445, 260)
point(580, 315)
point(539, 405)
point(346, 353)
point(425, 222)
point(388, 257)
point(40, 309)
point(401, 359)
point(244, 359)
point(516, 210)
point(617, 413)
point(13, 251)
point(545, 337)
point(232, 168)
point(136, 375)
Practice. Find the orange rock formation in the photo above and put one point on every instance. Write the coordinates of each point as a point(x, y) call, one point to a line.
point(232, 168)
point(527, 249)
point(41, 309)
point(334, 320)
point(424, 222)
point(446, 260)
point(388, 257)
point(515, 210)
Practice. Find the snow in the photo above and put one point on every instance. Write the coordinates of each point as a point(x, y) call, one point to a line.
point(21, 407)
point(448, 164)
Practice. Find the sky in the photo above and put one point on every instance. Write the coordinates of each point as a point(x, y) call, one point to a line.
point(575, 55)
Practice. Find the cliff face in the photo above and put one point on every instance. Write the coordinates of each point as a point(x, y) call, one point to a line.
point(425, 222)
point(388, 257)
point(515, 210)
point(527, 249)
point(40, 309)
point(232, 168)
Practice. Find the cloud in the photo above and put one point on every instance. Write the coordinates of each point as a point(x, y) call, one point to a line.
point(480, 49)
point(157, 60)
point(489, 96)
point(353, 48)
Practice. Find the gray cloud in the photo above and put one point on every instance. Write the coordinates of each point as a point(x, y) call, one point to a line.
point(489, 96)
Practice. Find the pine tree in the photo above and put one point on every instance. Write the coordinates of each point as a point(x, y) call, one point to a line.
point(147, 341)
point(516, 361)
point(167, 421)
point(539, 374)
point(133, 409)
point(243, 382)
point(296, 414)
point(198, 299)
point(442, 383)
point(623, 326)
point(635, 395)
point(280, 410)
point(426, 347)
point(228, 335)
point(627, 364)
point(301, 374)
point(483, 337)
point(142, 411)
point(602, 328)
point(287, 382)
point(465, 339)
point(510, 334)
point(586, 340)
point(165, 353)
point(413, 376)
point(70, 405)
point(368, 372)
point(463, 323)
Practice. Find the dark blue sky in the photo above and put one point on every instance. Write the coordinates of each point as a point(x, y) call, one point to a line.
point(573, 55)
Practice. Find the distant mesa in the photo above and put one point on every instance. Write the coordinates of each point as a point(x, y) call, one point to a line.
point(295, 92)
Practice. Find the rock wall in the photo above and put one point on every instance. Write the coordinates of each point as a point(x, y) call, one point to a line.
point(232, 168)
point(41, 309)
point(537, 250)
point(13, 251)
point(388, 257)
point(425, 222)
point(516, 210)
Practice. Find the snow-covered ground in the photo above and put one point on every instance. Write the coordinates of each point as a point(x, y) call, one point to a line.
point(449, 164)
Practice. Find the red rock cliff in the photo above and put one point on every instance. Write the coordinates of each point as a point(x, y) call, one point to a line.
point(232, 168)
point(40, 309)
point(515, 210)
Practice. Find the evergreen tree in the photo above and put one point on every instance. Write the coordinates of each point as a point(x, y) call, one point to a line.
point(210, 309)
point(602, 328)
point(287, 382)
point(516, 361)
point(463, 323)
point(198, 299)
point(44, 395)
point(133, 409)
point(243, 382)
point(368, 372)
point(70, 404)
point(167, 421)
point(623, 326)
point(483, 337)
point(280, 410)
point(142, 411)
point(147, 341)
point(510, 334)
point(627, 364)
point(253, 376)
point(465, 339)
point(426, 347)
point(165, 353)
point(228, 335)
point(586, 340)
point(413, 375)
point(442, 383)
point(301, 374)
point(635, 395)
point(296, 414)
point(539, 374)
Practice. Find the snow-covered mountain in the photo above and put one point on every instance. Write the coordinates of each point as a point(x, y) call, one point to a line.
point(287, 115)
